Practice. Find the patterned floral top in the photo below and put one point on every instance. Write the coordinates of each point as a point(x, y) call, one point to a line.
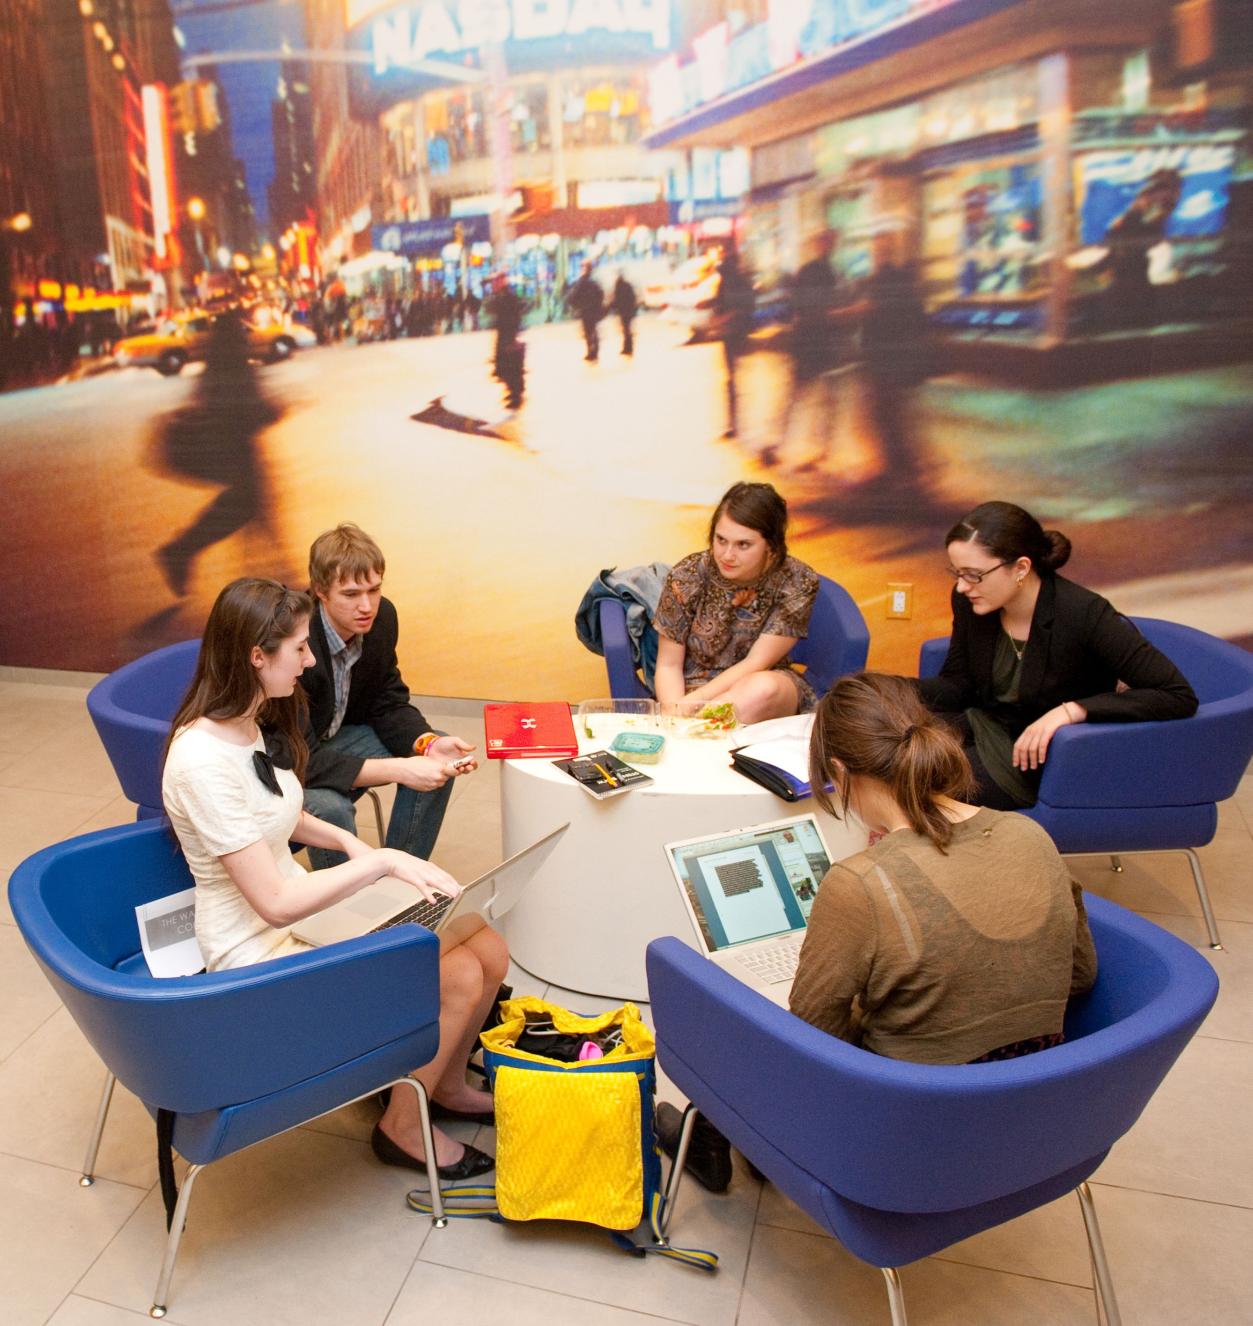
point(718, 621)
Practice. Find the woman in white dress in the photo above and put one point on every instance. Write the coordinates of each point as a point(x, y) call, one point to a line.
point(235, 812)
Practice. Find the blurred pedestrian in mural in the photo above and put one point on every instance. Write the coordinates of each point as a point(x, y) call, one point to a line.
point(625, 304)
point(1131, 238)
point(507, 311)
point(336, 309)
point(587, 300)
point(733, 320)
point(214, 441)
point(815, 349)
point(896, 350)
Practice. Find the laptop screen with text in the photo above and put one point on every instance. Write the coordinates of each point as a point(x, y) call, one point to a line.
point(752, 883)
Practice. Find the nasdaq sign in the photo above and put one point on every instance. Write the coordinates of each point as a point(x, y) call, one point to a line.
point(532, 33)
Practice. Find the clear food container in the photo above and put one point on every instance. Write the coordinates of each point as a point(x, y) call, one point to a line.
point(708, 720)
point(602, 720)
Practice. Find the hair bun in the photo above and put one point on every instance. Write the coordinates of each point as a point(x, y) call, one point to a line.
point(1058, 550)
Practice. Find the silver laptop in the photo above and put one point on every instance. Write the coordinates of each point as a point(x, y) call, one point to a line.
point(749, 893)
point(390, 901)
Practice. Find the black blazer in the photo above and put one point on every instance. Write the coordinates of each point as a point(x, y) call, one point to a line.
point(377, 697)
point(1079, 648)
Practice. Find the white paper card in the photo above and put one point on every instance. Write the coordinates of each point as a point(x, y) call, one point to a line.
point(167, 932)
point(782, 742)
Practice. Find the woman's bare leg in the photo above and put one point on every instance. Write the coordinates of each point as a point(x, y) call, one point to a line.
point(451, 1088)
point(461, 993)
point(763, 695)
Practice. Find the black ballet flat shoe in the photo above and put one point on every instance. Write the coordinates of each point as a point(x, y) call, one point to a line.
point(472, 1163)
point(447, 1115)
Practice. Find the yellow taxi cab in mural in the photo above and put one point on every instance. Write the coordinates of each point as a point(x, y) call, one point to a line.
point(184, 337)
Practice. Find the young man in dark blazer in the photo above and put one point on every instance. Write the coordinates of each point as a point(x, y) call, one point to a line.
point(363, 731)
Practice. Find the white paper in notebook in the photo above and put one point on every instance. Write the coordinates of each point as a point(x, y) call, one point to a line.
point(782, 742)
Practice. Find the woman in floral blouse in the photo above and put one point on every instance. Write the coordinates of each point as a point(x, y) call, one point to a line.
point(729, 615)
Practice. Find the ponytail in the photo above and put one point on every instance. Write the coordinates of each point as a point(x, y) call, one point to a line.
point(875, 725)
point(1008, 533)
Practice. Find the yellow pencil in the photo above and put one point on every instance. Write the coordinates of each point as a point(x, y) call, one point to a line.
point(605, 774)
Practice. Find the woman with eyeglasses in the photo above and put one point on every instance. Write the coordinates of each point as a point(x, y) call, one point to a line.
point(235, 811)
point(1031, 652)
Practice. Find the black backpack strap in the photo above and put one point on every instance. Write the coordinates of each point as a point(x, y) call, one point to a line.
point(165, 1163)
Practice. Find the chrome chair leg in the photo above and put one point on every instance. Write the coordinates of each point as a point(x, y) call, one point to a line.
point(676, 1167)
point(896, 1295)
point(1096, 1293)
point(1202, 894)
point(175, 1237)
point(378, 815)
point(1198, 879)
point(438, 1218)
point(93, 1146)
point(1100, 1267)
point(1115, 864)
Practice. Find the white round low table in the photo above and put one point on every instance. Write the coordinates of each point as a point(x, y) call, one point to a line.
point(607, 889)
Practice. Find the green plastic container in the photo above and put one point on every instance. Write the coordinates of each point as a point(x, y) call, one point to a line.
point(638, 747)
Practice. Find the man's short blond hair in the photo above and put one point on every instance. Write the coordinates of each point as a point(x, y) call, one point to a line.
point(346, 552)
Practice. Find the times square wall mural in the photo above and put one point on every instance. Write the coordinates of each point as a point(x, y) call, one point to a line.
point(465, 274)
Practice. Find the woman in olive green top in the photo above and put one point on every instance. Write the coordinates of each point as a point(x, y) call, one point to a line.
point(959, 935)
point(957, 938)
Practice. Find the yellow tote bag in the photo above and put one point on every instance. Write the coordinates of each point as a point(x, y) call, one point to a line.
point(574, 1140)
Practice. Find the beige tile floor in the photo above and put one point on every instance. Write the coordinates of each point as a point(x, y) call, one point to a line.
point(308, 1229)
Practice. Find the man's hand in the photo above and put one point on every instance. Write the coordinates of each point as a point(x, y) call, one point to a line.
point(419, 772)
point(447, 751)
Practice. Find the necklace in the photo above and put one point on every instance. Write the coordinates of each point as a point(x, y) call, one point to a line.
point(1013, 644)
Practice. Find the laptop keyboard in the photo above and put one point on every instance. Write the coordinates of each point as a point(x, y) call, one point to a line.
point(773, 963)
point(422, 913)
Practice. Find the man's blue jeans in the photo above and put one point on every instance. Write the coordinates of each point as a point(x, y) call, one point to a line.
point(416, 816)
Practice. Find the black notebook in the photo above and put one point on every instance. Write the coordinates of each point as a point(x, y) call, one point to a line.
point(782, 782)
point(602, 775)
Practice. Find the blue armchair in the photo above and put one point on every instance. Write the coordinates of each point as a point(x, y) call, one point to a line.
point(132, 709)
point(236, 1056)
point(1111, 789)
point(837, 643)
point(899, 1160)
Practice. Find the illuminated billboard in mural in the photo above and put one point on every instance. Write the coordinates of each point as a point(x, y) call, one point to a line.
point(1110, 181)
point(417, 45)
point(723, 60)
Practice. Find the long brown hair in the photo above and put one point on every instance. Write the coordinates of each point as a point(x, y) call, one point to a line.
point(876, 726)
point(248, 613)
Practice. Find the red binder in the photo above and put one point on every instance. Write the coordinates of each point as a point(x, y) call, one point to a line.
point(542, 730)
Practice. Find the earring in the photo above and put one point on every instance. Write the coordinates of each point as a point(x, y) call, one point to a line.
point(1021, 579)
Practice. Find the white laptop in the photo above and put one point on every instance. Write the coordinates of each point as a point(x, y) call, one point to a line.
point(749, 893)
point(390, 901)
